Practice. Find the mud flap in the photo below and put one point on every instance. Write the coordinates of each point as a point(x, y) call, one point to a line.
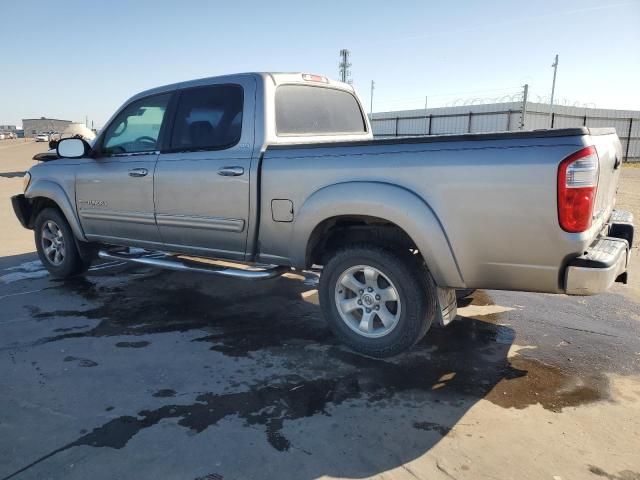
point(447, 306)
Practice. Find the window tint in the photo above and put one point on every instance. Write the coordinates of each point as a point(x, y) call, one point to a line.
point(307, 110)
point(137, 127)
point(208, 118)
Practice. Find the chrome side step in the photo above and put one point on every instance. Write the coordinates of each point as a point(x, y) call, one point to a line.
point(186, 265)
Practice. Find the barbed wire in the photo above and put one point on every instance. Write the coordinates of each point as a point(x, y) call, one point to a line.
point(464, 101)
point(565, 102)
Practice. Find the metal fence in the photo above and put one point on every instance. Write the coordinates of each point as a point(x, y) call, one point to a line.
point(506, 117)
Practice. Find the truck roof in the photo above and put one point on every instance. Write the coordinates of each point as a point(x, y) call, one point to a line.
point(275, 77)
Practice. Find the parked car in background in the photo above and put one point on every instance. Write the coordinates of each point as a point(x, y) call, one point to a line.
point(1, 136)
point(75, 130)
point(281, 171)
point(42, 137)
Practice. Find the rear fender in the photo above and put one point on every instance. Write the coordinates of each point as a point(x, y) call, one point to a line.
point(389, 202)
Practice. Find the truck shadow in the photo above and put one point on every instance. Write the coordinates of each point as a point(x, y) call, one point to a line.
point(321, 409)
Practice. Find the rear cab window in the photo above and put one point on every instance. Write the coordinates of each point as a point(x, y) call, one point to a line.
point(305, 110)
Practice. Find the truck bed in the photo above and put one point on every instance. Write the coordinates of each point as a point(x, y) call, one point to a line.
point(493, 197)
point(410, 139)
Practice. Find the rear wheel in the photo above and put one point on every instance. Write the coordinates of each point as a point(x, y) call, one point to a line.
point(377, 301)
point(56, 245)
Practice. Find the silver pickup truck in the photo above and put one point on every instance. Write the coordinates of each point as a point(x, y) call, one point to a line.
point(275, 171)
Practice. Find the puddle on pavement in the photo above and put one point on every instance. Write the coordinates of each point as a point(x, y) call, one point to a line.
point(457, 366)
point(284, 313)
point(239, 320)
point(622, 475)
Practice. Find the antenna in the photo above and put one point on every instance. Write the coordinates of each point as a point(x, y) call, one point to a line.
point(344, 66)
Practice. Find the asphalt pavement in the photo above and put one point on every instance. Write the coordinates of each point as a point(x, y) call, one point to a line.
point(133, 372)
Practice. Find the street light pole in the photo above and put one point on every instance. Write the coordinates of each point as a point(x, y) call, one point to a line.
point(553, 86)
point(426, 103)
point(373, 86)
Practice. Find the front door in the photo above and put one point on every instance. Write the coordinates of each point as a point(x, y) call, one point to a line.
point(114, 190)
point(202, 181)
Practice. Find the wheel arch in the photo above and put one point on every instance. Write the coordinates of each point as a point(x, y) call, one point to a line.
point(394, 205)
point(44, 193)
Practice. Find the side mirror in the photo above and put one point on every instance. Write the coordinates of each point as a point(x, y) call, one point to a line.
point(72, 148)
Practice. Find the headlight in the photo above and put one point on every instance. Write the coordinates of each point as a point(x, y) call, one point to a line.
point(25, 181)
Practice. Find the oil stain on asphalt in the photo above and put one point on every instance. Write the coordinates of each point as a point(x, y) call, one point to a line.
point(463, 363)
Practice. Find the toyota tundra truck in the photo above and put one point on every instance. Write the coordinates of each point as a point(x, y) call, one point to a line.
point(253, 175)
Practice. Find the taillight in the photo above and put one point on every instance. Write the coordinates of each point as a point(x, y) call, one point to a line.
point(577, 186)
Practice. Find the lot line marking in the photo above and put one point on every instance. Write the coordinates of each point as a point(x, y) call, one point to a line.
point(19, 293)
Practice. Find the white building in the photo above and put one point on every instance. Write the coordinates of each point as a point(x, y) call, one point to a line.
point(34, 126)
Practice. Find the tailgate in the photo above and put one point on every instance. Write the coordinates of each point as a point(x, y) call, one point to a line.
point(610, 160)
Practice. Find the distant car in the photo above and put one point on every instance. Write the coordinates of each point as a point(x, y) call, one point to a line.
point(42, 137)
point(1, 136)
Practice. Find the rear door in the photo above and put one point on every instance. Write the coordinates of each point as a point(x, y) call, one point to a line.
point(202, 180)
point(114, 190)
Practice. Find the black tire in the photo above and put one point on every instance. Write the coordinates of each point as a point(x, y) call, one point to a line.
point(71, 263)
point(464, 293)
point(409, 277)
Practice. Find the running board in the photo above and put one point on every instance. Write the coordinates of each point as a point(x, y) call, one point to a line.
point(184, 265)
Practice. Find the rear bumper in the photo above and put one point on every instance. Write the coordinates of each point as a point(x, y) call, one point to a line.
point(604, 262)
point(22, 209)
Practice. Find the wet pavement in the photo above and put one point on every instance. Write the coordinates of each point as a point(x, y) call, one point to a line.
point(146, 374)
point(132, 372)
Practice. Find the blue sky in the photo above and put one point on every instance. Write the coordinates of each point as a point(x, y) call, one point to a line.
point(75, 58)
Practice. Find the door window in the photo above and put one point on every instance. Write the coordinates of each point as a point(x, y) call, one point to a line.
point(137, 128)
point(208, 118)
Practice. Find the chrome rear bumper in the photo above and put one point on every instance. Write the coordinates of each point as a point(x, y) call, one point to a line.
point(604, 262)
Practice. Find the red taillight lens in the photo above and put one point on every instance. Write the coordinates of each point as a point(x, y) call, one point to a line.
point(577, 186)
point(310, 77)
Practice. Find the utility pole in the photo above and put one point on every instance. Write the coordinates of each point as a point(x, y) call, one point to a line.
point(344, 66)
point(426, 103)
point(523, 114)
point(373, 86)
point(553, 85)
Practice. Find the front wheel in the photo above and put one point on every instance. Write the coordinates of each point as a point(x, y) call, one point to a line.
point(377, 301)
point(56, 245)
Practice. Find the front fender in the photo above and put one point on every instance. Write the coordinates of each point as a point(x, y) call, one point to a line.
point(54, 192)
point(389, 202)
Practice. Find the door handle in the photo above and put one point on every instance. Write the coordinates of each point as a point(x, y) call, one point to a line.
point(230, 171)
point(138, 172)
